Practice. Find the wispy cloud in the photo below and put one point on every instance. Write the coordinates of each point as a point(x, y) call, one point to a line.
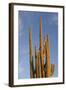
point(54, 20)
point(20, 24)
point(21, 71)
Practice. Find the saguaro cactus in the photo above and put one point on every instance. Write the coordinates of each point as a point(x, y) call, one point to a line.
point(42, 69)
point(31, 53)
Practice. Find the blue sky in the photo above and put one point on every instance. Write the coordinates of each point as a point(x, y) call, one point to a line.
point(27, 19)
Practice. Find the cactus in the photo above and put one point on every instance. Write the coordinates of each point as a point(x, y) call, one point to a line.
point(42, 70)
